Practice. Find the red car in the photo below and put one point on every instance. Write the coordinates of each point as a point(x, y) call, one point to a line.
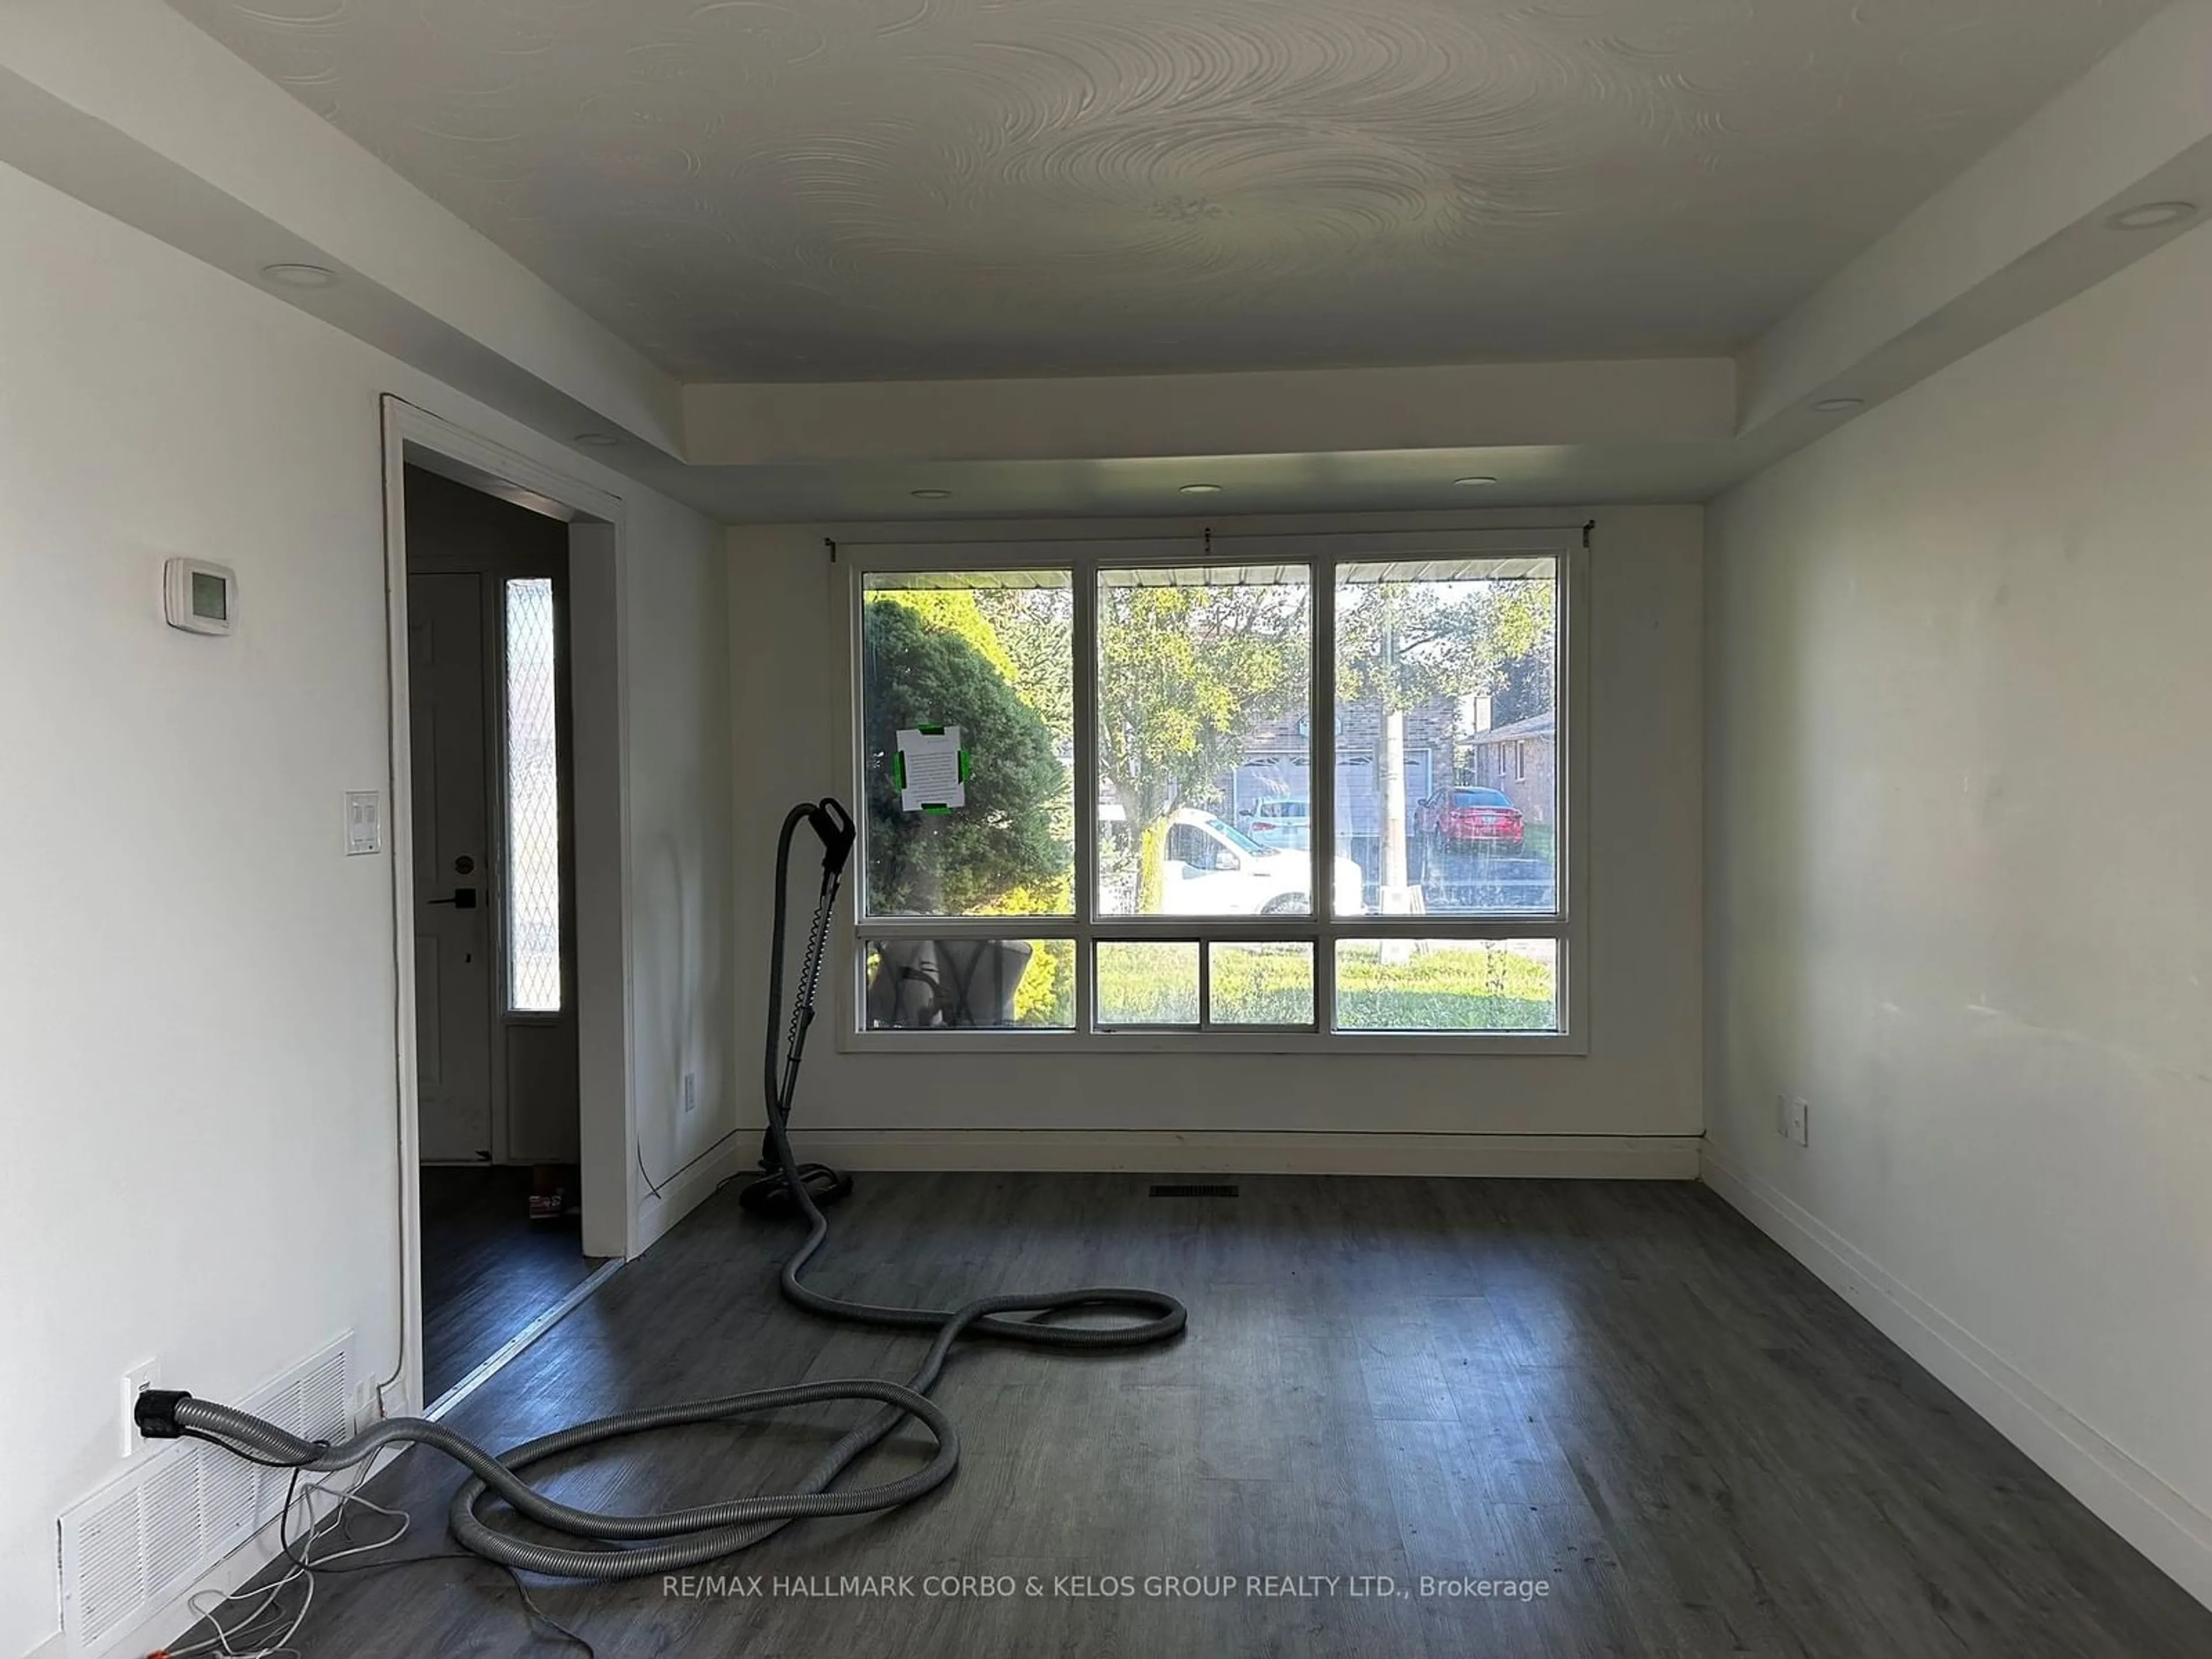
point(1469, 817)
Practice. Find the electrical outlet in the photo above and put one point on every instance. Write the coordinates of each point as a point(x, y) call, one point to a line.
point(135, 1380)
point(690, 1093)
point(1800, 1120)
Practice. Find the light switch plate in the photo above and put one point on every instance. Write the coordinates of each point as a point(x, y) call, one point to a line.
point(364, 822)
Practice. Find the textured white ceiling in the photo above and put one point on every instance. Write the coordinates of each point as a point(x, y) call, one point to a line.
point(861, 189)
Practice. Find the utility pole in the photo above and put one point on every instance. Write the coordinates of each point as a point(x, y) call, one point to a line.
point(1396, 897)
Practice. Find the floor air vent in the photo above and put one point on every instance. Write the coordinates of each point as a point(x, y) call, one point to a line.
point(1194, 1189)
point(143, 1537)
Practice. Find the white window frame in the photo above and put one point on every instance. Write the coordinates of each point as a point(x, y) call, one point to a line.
point(1568, 924)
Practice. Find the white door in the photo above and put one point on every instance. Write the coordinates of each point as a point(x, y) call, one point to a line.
point(453, 913)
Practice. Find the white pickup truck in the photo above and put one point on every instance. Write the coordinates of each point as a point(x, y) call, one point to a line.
point(1215, 869)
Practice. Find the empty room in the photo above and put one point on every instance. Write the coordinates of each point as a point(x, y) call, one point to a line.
point(1106, 827)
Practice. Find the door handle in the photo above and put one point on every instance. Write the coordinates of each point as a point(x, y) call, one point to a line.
point(464, 898)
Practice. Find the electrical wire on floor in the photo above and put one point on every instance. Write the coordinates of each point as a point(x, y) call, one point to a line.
point(609, 1546)
point(241, 1640)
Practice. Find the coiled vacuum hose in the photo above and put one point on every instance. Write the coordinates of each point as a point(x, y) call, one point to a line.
point(635, 1546)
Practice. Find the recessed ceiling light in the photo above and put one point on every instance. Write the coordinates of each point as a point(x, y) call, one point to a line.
point(1481, 481)
point(2152, 215)
point(1202, 490)
point(931, 495)
point(597, 440)
point(1837, 405)
point(301, 276)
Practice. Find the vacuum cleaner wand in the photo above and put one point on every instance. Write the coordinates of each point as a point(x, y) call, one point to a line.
point(831, 821)
point(771, 1194)
point(612, 1545)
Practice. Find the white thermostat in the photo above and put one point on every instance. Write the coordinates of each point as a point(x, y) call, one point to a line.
point(198, 597)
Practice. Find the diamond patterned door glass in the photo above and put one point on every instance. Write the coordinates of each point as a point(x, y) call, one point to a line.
point(533, 803)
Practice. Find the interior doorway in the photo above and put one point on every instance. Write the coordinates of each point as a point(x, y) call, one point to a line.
point(490, 723)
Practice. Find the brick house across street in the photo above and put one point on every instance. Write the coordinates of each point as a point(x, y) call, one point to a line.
point(1521, 760)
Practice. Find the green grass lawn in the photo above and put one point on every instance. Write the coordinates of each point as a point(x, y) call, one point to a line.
point(1440, 988)
point(1445, 989)
point(1444, 986)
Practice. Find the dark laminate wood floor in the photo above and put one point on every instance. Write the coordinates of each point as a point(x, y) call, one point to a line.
point(1620, 1389)
point(488, 1270)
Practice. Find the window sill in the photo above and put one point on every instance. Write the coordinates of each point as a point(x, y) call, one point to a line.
point(1061, 1044)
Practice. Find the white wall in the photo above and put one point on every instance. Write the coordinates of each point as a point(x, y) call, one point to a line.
point(1957, 880)
point(1642, 1077)
point(196, 986)
point(682, 868)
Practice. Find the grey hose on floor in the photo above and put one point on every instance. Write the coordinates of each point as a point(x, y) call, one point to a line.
point(620, 1546)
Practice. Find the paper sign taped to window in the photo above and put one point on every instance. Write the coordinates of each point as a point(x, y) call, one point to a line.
point(931, 769)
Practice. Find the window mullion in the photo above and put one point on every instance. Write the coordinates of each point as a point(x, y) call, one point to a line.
point(1320, 792)
point(1084, 638)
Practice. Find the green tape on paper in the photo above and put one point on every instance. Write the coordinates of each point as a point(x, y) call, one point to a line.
point(932, 769)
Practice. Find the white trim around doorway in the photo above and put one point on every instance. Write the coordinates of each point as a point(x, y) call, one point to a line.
point(598, 552)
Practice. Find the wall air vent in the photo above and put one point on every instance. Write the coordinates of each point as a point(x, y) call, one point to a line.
point(143, 1538)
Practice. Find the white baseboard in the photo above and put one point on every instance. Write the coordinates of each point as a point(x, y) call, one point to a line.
point(2172, 1532)
point(1618, 1157)
point(686, 1191)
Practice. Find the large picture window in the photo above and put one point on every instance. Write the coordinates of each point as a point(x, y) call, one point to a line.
point(1268, 791)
